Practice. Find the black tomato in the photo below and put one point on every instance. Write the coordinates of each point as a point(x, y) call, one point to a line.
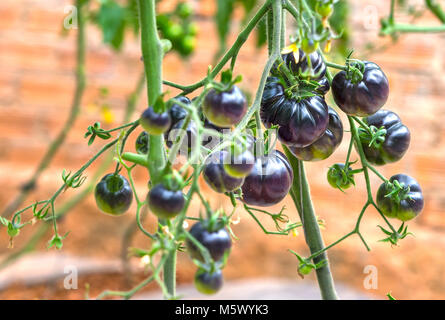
point(403, 205)
point(323, 87)
point(301, 121)
point(215, 175)
point(217, 242)
point(296, 61)
point(239, 165)
point(326, 144)
point(397, 138)
point(113, 194)
point(208, 283)
point(178, 115)
point(155, 123)
point(165, 203)
point(225, 108)
point(365, 97)
point(269, 182)
point(142, 143)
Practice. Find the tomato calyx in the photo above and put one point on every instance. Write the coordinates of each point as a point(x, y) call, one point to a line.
point(341, 176)
point(227, 81)
point(354, 69)
point(395, 236)
point(372, 135)
point(398, 191)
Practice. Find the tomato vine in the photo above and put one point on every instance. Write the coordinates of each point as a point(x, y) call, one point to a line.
point(294, 78)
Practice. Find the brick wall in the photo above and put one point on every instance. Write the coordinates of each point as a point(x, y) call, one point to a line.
point(36, 87)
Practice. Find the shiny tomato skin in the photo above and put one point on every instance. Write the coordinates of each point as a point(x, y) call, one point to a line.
point(269, 182)
point(365, 97)
point(405, 209)
point(225, 108)
point(397, 138)
point(217, 242)
point(113, 194)
point(298, 64)
point(216, 177)
point(155, 123)
point(165, 203)
point(324, 146)
point(300, 122)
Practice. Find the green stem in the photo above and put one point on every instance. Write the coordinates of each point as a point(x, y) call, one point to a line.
point(152, 53)
point(302, 198)
point(233, 51)
point(391, 12)
point(336, 66)
point(72, 117)
point(408, 28)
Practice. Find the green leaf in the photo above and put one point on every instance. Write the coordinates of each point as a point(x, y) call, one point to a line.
point(223, 16)
point(261, 33)
point(111, 19)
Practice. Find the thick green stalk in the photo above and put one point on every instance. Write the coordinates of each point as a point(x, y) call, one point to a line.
point(152, 52)
point(301, 196)
point(74, 112)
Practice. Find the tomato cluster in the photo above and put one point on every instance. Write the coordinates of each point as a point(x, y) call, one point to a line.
point(177, 27)
point(360, 91)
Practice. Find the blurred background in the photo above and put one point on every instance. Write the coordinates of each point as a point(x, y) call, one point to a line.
point(37, 84)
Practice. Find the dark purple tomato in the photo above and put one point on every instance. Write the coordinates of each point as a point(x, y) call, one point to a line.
point(324, 146)
point(239, 165)
point(142, 143)
point(225, 108)
point(365, 97)
point(217, 242)
point(155, 123)
point(177, 112)
point(396, 142)
point(297, 62)
point(300, 121)
point(404, 205)
point(165, 203)
point(323, 86)
point(208, 282)
point(189, 138)
point(113, 194)
point(215, 175)
point(269, 182)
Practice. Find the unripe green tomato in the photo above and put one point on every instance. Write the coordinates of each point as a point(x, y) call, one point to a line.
point(174, 32)
point(187, 45)
point(192, 29)
point(309, 45)
point(304, 269)
point(325, 10)
point(335, 177)
point(184, 10)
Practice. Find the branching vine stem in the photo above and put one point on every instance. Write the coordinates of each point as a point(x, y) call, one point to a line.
point(72, 117)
